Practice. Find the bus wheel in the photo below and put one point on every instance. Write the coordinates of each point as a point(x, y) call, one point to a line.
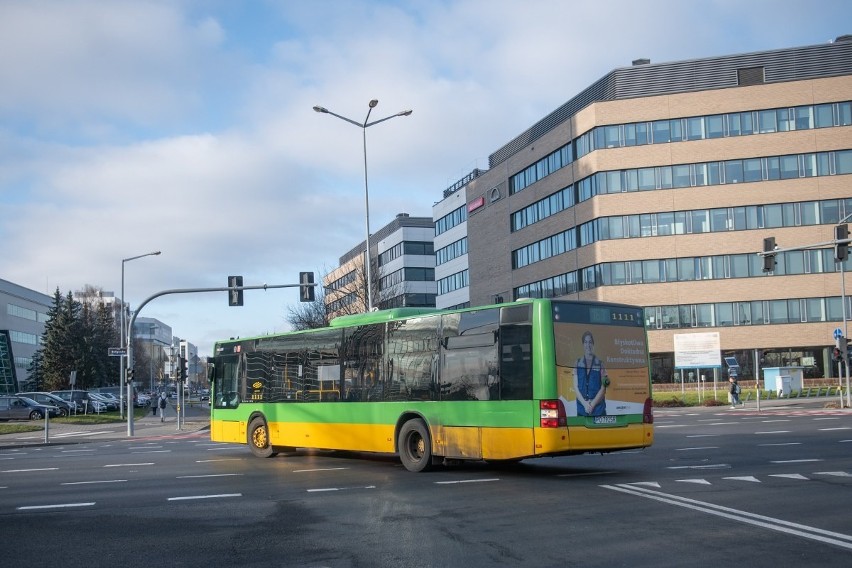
point(415, 448)
point(258, 438)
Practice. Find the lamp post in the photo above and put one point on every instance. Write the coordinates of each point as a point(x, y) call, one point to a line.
point(152, 327)
point(363, 126)
point(125, 340)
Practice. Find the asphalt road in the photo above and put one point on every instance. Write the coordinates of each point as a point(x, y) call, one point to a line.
point(718, 487)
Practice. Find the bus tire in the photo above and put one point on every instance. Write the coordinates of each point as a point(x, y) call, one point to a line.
point(415, 446)
point(258, 438)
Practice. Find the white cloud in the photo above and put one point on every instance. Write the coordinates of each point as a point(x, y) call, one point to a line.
point(129, 126)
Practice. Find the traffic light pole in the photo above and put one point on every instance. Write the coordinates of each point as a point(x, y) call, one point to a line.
point(187, 291)
point(841, 243)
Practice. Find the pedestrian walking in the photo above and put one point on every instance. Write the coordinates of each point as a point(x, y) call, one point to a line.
point(734, 392)
point(162, 403)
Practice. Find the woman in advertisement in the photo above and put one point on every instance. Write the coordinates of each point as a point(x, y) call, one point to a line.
point(590, 380)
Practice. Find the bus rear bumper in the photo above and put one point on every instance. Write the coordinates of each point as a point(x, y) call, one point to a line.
point(578, 440)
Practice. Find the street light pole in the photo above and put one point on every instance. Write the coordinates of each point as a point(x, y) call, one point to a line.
point(125, 340)
point(363, 126)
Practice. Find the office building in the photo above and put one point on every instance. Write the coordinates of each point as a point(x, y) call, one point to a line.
point(451, 270)
point(402, 269)
point(657, 186)
point(23, 313)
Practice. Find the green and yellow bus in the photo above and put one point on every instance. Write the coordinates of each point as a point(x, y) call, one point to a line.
point(505, 382)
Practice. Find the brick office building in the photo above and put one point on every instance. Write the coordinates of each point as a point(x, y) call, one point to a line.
point(656, 186)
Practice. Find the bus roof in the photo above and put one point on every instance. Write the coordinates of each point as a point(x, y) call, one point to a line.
point(379, 316)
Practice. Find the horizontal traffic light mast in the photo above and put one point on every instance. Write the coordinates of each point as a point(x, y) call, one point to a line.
point(841, 247)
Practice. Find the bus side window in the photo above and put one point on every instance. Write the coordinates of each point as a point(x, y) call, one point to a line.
point(516, 362)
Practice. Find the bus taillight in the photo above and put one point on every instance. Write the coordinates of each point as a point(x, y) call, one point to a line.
point(552, 413)
point(647, 412)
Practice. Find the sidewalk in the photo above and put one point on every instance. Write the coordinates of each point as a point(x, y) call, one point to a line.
point(812, 403)
point(196, 422)
point(150, 425)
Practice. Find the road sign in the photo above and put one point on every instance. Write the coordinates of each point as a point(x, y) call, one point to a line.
point(116, 351)
point(838, 333)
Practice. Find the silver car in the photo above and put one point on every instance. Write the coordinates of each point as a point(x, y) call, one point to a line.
point(22, 408)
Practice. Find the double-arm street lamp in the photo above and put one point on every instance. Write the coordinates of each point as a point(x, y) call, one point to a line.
point(363, 126)
point(125, 340)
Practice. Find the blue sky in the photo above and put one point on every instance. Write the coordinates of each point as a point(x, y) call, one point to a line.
point(186, 126)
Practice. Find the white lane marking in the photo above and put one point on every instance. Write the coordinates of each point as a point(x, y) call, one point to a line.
point(220, 460)
point(29, 470)
point(710, 466)
point(646, 483)
point(128, 464)
point(57, 506)
point(771, 421)
point(585, 473)
point(750, 478)
point(81, 433)
point(325, 489)
point(789, 476)
point(218, 496)
point(774, 432)
point(76, 451)
point(828, 418)
point(94, 482)
point(780, 525)
point(781, 444)
point(831, 429)
point(703, 435)
point(209, 475)
point(834, 473)
point(319, 469)
point(467, 481)
point(698, 481)
point(797, 461)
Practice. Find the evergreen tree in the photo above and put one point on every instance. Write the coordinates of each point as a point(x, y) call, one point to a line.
point(57, 342)
point(106, 333)
point(77, 337)
point(36, 376)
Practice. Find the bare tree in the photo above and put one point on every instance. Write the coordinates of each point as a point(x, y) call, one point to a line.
point(309, 315)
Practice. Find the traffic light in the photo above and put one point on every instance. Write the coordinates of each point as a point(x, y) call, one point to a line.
point(841, 250)
point(769, 259)
point(183, 367)
point(235, 297)
point(841, 347)
point(306, 293)
point(129, 374)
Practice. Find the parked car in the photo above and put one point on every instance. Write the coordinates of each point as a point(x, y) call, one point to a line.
point(97, 399)
point(119, 394)
point(21, 408)
point(111, 398)
point(48, 399)
point(79, 397)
